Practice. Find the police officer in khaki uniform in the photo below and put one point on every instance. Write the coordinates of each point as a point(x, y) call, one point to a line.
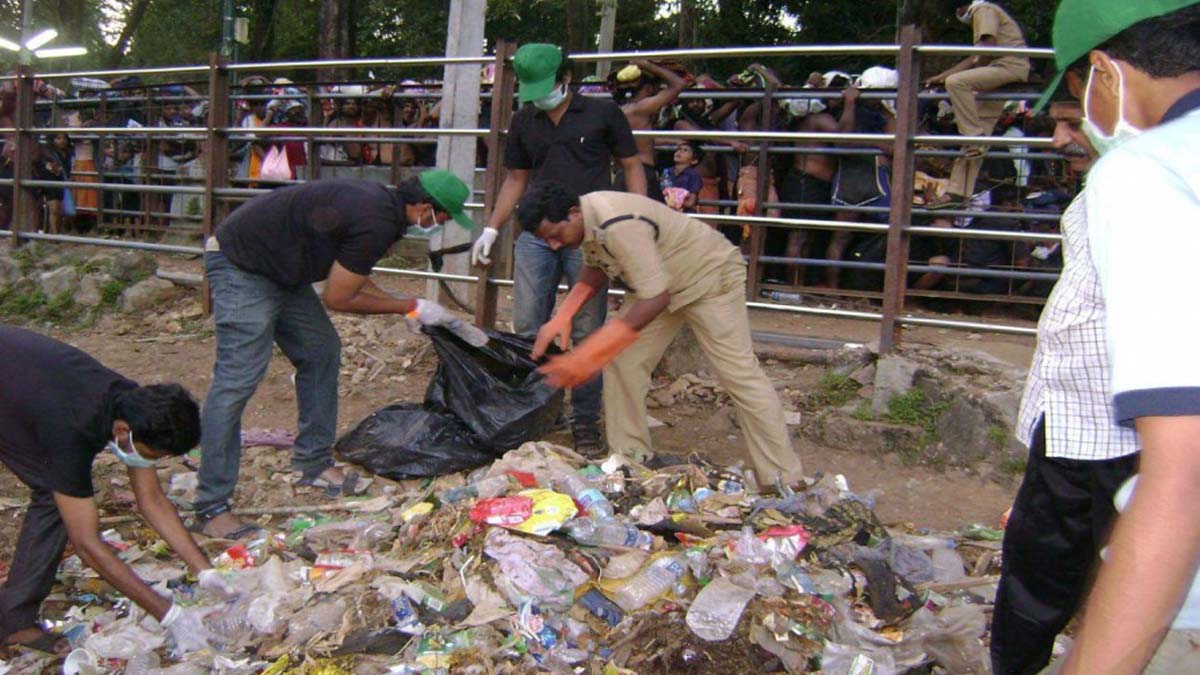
point(991, 26)
point(678, 271)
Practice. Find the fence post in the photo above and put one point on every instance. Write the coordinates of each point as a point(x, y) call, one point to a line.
point(503, 84)
point(216, 156)
point(762, 185)
point(25, 202)
point(900, 212)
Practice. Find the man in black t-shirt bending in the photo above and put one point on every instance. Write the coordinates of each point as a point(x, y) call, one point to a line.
point(59, 408)
point(260, 266)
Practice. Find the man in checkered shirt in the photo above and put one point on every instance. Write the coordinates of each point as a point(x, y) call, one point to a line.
point(1078, 456)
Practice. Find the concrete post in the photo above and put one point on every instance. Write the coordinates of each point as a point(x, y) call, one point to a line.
point(460, 110)
point(608, 27)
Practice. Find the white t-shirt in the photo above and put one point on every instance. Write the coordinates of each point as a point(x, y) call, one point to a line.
point(1143, 206)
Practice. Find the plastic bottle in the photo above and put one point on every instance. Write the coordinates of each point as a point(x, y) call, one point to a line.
point(146, 663)
point(718, 607)
point(229, 625)
point(781, 296)
point(947, 566)
point(655, 579)
point(482, 489)
point(612, 533)
point(593, 502)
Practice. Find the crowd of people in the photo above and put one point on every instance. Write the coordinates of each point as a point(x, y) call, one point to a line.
point(835, 180)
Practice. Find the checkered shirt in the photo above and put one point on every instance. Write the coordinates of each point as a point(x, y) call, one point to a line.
point(1070, 381)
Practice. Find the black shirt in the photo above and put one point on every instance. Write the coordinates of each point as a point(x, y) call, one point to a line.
point(293, 235)
point(578, 151)
point(56, 411)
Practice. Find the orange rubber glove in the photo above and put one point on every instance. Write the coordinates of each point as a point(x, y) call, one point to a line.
point(587, 359)
point(560, 325)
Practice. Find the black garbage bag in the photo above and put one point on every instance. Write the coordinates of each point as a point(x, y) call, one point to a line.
point(406, 440)
point(495, 390)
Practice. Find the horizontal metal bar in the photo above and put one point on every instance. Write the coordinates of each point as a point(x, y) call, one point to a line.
point(116, 187)
point(816, 311)
point(937, 139)
point(772, 136)
point(785, 50)
point(364, 63)
point(426, 275)
point(1032, 52)
point(982, 272)
point(353, 131)
point(964, 233)
point(166, 70)
point(195, 133)
point(114, 243)
point(966, 325)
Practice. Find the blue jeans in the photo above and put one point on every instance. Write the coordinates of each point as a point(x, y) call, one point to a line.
point(536, 273)
point(250, 313)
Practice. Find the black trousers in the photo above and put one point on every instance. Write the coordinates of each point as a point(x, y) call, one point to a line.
point(34, 564)
point(1060, 520)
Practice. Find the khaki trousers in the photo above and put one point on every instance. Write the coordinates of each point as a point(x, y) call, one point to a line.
point(977, 118)
point(721, 324)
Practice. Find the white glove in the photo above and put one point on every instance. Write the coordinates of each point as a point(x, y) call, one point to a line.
point(186, 626)
point(212, 581)
point(482, 249)
point(429, 313)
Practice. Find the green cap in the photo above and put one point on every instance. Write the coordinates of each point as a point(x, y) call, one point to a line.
point(536, 65)
point(449, 194)
point(1082, 25)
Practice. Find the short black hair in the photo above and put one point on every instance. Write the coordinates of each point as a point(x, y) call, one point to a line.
point(546, 200)
point(697, 150)
point(565, 67)
point(1162, 46)
point(163, 416)
point(412, 192)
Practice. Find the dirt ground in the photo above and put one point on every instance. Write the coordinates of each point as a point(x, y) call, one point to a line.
point(175, 343)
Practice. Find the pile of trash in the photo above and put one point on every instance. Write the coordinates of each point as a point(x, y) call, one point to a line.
point(544, 562)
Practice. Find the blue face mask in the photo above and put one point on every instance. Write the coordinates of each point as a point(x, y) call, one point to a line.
point(133, 458)
point(552, 100)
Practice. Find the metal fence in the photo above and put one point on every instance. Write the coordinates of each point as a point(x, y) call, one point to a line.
point(213, 187)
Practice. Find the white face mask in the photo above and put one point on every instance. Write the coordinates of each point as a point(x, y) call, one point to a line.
point(552, 100)
point(133, 458)
point(1123, 130)
point(432, 222)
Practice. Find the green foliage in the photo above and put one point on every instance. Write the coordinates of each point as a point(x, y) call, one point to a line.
point(60, 308)
point(26, 258)
point(997, 436)
point(863, 413)
point(836, 390)
point(913, 408)
point(1013, 466)
point(22, 304)
point(111, 292)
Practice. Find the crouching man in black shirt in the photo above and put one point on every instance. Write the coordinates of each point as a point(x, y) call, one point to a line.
point(59, 408)
point(261, 265)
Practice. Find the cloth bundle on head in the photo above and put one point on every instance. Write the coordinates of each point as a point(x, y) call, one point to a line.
point(879, 77)
point(800, 107)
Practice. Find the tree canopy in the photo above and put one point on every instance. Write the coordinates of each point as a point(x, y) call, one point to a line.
point(134, 33)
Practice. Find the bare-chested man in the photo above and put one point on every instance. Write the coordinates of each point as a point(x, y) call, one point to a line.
point(641, 98)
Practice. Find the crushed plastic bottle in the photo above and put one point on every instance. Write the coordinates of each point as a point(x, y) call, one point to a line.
point(146, 663)
point(608, 533)
point(594, 503)
point(718, 607)
point(481, 489)
point(655, 579)
point(231, 625)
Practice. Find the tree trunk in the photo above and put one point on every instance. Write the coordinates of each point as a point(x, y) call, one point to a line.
point(137, 12)
point(581, 28)
point(262, 30)
point(70, 22)
point(687, 24)
point(334, 41)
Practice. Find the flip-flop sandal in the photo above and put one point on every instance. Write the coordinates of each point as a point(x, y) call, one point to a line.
point(348, 487)
point(199, 522)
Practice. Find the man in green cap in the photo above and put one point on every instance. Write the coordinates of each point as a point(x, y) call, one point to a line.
point(1140, 96)
point(261, 266)
point(572, 139)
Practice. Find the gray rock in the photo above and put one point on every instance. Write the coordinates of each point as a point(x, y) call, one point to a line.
point(1002, 405)
point(91, 289)
point(683, 356)
point(131, 265)
point(837, 430)
point(865, 375)
point(893, 375)
point(145, 294)
point(58, 281)
point(963, 430)
point(9, 271)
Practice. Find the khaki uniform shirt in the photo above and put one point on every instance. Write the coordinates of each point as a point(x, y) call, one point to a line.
point(989, 19)
point(652, 248)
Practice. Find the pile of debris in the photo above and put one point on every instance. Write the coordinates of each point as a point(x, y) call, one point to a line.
point(544, 562)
